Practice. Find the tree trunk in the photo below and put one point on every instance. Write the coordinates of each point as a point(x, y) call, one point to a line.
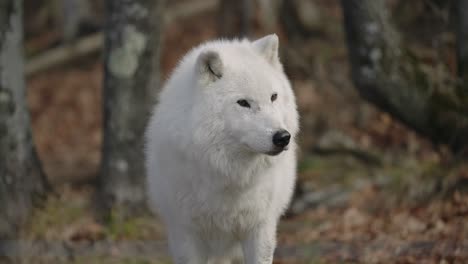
point(461, 15)
point(234, 18)
point(22, 182)
point(386, 76)
point(132, 47)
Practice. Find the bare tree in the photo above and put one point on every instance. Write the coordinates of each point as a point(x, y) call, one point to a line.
point(22, 182)
point(132, 36)
point(385, 76)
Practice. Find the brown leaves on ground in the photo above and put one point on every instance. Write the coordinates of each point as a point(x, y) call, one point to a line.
point(429, 233)
point(86, 230)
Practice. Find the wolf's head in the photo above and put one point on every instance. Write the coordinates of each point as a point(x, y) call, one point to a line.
point(243, 100)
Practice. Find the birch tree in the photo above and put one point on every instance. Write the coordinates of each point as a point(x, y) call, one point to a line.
point(22, 183)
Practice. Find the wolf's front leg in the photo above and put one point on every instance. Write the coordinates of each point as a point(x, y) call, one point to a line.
point(185, 248)
point(259, 247)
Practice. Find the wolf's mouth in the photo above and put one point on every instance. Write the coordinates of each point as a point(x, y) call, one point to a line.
point(276, 151)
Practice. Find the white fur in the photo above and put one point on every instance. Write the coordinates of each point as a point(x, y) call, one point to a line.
point(209, 174)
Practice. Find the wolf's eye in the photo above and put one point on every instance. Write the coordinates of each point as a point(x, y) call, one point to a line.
point(243, 103)
point(274, 96)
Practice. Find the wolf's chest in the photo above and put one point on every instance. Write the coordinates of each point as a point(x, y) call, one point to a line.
point(233, 213)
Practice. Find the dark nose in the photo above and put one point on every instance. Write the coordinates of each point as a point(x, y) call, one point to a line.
point(281, 138)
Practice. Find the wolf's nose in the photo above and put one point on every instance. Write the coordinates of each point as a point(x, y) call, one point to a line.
point(281, 138)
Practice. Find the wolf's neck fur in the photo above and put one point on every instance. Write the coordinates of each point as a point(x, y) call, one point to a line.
point(221, 162)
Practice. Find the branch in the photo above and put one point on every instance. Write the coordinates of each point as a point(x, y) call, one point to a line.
point(94, 43)
point(64, 53)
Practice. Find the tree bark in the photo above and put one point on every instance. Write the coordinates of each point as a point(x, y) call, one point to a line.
point(132, 47)
point(387, 77)
point(22, 183)
point(234, 18)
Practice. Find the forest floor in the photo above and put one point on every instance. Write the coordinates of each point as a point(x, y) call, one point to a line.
point(370, 190)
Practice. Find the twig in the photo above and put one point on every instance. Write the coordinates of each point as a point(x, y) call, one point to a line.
point(64, 53)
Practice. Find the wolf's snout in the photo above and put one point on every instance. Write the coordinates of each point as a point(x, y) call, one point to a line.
point(281, 138)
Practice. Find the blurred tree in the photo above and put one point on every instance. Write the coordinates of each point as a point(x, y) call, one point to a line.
point(301, 19)
point(22, 182)
point(234, 18)
point(74, 12)
point(66, 19)
point(387, 75)
point(268, 12)
point(132, 46)
point(461, 15)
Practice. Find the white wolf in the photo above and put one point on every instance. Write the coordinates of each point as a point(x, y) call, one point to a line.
point(220, 153)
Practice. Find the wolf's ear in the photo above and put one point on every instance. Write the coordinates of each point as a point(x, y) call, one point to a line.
point(209, 65)
point(268, 48)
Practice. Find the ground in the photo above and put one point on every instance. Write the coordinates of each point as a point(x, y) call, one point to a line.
point(370, 190)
